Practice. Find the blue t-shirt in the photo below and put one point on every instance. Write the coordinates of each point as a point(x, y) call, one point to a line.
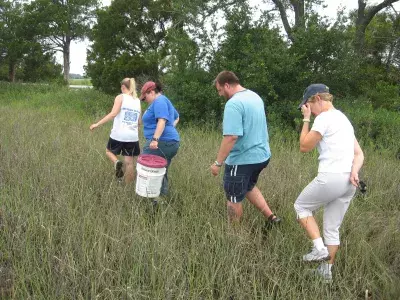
point(244, 116)
point(161, 108)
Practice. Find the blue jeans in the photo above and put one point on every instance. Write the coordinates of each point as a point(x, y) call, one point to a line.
point(166, 150)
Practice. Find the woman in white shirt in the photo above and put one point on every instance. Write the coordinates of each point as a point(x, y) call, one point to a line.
point(124, 137)
point(340, 159)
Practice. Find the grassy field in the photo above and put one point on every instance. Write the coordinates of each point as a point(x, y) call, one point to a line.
point(70, 231)
point(84, 81)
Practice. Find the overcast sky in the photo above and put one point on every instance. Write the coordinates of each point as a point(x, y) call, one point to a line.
point(78, 50)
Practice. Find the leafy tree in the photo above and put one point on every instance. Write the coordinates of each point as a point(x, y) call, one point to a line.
point(13, 38)
point(21, 56)
point(147, 39)
point(365, 14)
point(128, 40)
point(382, 37)
point(258, 55)
point(300, 8)
point(324, 53)
point(40, 66)
point(59, 22)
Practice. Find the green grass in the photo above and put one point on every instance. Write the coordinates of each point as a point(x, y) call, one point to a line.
point(84, 81)
point(70, 231)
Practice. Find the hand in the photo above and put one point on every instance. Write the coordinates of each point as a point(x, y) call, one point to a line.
point(93, 126)
point(153, 145)
point(354, 179)
point(215, 170)
point(306, 111)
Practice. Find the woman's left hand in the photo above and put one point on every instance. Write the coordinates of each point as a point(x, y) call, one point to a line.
point(306, 111)
point(153, 145)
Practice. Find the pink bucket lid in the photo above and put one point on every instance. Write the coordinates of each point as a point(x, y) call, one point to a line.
point(152, 161)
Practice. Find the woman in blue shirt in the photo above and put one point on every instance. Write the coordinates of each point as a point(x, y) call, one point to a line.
point(159, 122)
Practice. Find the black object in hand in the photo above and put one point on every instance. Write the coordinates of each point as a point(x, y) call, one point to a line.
point(362, 186)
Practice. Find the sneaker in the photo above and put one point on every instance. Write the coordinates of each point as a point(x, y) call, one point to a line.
point(118, 169)
point(317, 256)
point(155, 202)
point(158, 201)
point(272, 221)
point(324, 272)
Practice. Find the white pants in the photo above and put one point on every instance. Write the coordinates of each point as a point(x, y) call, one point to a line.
point(334, 192)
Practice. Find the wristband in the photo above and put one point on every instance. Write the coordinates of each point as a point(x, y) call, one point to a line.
point(155, 139)
point(217, 164)
point(306, 120)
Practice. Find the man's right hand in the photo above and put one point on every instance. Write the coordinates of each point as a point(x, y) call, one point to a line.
point(215, 170)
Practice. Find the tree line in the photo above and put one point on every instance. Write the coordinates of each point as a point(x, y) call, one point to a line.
point(182, 44)
point(31, 32)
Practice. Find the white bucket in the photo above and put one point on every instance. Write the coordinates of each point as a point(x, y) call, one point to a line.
point(149, 180)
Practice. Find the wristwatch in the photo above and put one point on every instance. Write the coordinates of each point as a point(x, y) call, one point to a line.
point(217, 164)
point(155, 139)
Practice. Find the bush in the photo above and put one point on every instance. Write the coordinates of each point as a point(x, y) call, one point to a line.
point(385, 95)
point(194, 96)
point(378, 128)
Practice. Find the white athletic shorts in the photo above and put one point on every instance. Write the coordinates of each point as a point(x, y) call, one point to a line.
point(334, 192)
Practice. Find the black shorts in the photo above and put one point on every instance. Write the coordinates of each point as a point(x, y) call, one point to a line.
point(240, 179)
point(123, 148)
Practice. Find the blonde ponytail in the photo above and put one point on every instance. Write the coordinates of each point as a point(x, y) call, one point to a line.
point(130, 84)
point(132, 87)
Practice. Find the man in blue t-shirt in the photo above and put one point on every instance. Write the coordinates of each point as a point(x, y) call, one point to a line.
point(244, 147)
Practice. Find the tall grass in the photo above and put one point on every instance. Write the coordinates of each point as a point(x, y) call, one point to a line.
point(83, 81)
point(70, 231)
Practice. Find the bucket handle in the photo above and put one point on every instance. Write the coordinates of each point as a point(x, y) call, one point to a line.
point(157, 149)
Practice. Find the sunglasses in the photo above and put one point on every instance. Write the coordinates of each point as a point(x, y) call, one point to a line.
point(145, 95)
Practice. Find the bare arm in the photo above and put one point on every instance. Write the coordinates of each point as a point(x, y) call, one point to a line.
point(308, 139)
point(160, 128)
point(226, 146)
point(140, 120)
point(357, 163)
point(114, 112)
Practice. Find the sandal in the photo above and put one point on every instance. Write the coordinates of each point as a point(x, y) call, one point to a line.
point(272, 221)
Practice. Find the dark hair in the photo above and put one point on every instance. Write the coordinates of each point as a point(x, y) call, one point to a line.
point(227, 77)
point(158, 88)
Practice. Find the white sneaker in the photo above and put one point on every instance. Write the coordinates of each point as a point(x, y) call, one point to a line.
point(324, 272)
point(317, 255)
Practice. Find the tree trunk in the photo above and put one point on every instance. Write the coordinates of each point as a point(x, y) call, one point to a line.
point(299, 16)
point(364, 17)
point(394, 44)
point(66, 56)
point(12, 66)
point(298, 7)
